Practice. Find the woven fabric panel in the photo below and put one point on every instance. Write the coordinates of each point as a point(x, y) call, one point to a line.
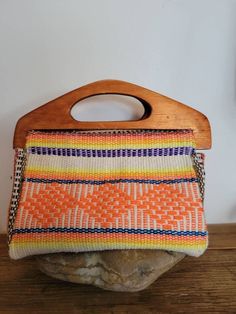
point(102, 190)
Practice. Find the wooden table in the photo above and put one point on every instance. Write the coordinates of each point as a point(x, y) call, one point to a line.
point(196, 285)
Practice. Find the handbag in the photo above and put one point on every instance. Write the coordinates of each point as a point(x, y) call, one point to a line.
point(84, 186)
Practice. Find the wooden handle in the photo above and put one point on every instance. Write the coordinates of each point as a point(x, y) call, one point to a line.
point(161, 112)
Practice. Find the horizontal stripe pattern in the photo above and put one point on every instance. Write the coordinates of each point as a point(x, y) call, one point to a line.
point(42, 243)
point(111, 168)
point(97, 176)
point(134, 140)
point(110, 145)
point(111, 164)
point(108, 230)
point(102, 190)
point(100, 182)
point(148, 152)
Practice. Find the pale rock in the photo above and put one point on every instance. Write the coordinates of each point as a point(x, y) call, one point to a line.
point(117, 270)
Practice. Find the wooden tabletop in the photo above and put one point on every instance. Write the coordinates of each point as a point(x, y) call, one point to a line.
point(195, 285)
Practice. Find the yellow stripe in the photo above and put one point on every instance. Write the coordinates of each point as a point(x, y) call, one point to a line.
point(122, 171)
point(107, 145)
point(90, 243)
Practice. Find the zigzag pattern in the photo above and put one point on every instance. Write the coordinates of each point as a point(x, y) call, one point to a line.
point(110, 206)
point(84, 191)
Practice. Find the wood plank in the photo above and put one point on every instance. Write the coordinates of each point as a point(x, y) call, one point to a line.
point(205, 284)
point(222, 236)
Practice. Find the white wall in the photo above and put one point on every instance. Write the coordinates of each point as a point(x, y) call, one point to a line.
point(185, 49)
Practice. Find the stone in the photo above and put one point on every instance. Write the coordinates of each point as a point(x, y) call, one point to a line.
point(117, 270)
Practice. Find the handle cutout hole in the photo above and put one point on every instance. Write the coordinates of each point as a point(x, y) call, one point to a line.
point(108, 108)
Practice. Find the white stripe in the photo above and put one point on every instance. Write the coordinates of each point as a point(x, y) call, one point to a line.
point(21, 212)
point(25, 192)
point(79, 191)
point(178, 225)
point(73, 189)
point(55, 223)
point(93, 222)
point(128, 189)
point(69, 218)
point(186, 189)
point(25, 219)
point(86, 190)
point(93, 163)
point(184, 223)
point(141, 218)
point(91, 188)
point(141, 189)
point(87, 221)
point(192, 191)
point(81, 218)
point(129, 218)
point(30, 221)
point(190, 221)
point(203, 223)
point(196, 218)
point(123, 221)
point(62, 221)
point(148, 222)
point(135, 217)
point(75, 216)
point(134, 191)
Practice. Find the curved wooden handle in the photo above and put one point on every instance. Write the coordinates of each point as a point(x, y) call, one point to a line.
point(160, 113)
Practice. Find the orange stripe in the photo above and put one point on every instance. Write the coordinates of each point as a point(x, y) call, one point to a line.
point(145, 137)
point(101, 176)
point(122, 237)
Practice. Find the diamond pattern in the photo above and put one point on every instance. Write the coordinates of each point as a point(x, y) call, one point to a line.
point(130, 205)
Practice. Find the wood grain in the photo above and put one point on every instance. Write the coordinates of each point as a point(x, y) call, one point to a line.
point(161, 112)
point(222, 236)
point(206, 284)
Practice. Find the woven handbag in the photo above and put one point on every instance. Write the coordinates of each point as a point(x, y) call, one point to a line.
point(90, 190)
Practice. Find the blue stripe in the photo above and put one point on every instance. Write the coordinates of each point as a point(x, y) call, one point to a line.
point(111, 230)
point(37, 180)
point(141, 152)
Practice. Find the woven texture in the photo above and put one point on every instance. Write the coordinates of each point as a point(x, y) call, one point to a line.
point(101, 190)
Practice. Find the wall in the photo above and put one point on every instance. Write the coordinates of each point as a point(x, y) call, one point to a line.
point(184, 49)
